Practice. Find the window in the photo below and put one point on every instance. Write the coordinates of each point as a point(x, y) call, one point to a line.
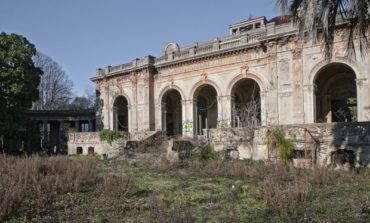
point(79, 150)
point(246, 28)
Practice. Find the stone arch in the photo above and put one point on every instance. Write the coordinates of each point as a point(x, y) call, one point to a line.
point(322, 63)
point(204, 82)
point(171, 110)
point(169, 87)
point(116, 95)
point(246, 103)
point(205, 108)
point(260, 81)
point(335, 94)
point(120, 113)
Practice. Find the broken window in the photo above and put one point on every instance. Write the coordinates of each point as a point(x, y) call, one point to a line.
point(79, 150)
point(90, 150)
point(246, 28)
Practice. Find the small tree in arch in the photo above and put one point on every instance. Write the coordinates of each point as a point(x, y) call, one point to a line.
point(248, 116)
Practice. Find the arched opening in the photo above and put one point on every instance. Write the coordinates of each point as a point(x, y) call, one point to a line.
point(205, 112)
point(336, 95)
point(172, 113)
point(246, 103)
point(120, 114)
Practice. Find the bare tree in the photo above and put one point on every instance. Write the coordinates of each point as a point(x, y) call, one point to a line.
point(248, 114)
point(55, 89)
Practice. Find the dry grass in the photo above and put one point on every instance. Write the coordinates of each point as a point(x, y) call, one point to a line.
point(39, 179)
point(165, 212)
point(191, 191)
point(286, 191)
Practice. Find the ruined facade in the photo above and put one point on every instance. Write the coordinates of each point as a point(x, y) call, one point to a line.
point(188, 89)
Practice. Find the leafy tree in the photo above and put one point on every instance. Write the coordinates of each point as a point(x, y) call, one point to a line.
point(87, 101)
point(19, 78)
point(80, 103)
point(55, 89)
point(322, 15)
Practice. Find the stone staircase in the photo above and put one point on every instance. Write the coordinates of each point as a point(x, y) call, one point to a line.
point(148, 147)
point(154, 148)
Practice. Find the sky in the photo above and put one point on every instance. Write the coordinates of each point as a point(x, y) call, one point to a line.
point(83, 35)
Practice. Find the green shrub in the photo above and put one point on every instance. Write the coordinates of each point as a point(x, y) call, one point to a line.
point(283, 145)
point(205, 154)
point(109, 135)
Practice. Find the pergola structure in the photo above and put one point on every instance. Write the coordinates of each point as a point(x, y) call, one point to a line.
point(54, 124)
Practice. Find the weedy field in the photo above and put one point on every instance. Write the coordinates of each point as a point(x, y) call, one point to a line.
point(84, 189)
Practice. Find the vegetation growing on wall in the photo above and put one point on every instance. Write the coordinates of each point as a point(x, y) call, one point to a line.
point(284, 146)
point(109, 135)
point(223, 124)
point(187, 126)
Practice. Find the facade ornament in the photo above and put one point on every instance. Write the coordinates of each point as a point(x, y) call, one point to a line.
point(244, 70)
point(204, 76)
point(170, 82)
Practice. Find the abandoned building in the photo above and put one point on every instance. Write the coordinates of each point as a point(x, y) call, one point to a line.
point(200, 89)
point(54, 124)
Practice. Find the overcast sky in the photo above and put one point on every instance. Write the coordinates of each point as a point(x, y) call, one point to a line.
point(83, 35)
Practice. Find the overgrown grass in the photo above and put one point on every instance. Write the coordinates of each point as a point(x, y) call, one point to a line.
point(191, 191)
point(40, 180)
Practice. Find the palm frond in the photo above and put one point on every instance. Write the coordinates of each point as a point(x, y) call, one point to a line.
point(323, 15)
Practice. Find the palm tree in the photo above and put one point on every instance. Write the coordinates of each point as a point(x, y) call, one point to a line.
point(322, 15)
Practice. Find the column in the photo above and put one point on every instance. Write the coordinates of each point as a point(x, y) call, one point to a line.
point(188, 124)
point(129, 110)
point(45, 134)
point(309, 103)
point(194, 119)
point(61, 137)
point(263, 108)
point(272, 99)
point(77, 125)
point(163, 112)
point(90, 125)
point(362, 87)
point(225, 112)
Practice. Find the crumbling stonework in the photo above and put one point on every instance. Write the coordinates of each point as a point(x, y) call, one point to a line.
point(326, 138)
point(127, 144)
